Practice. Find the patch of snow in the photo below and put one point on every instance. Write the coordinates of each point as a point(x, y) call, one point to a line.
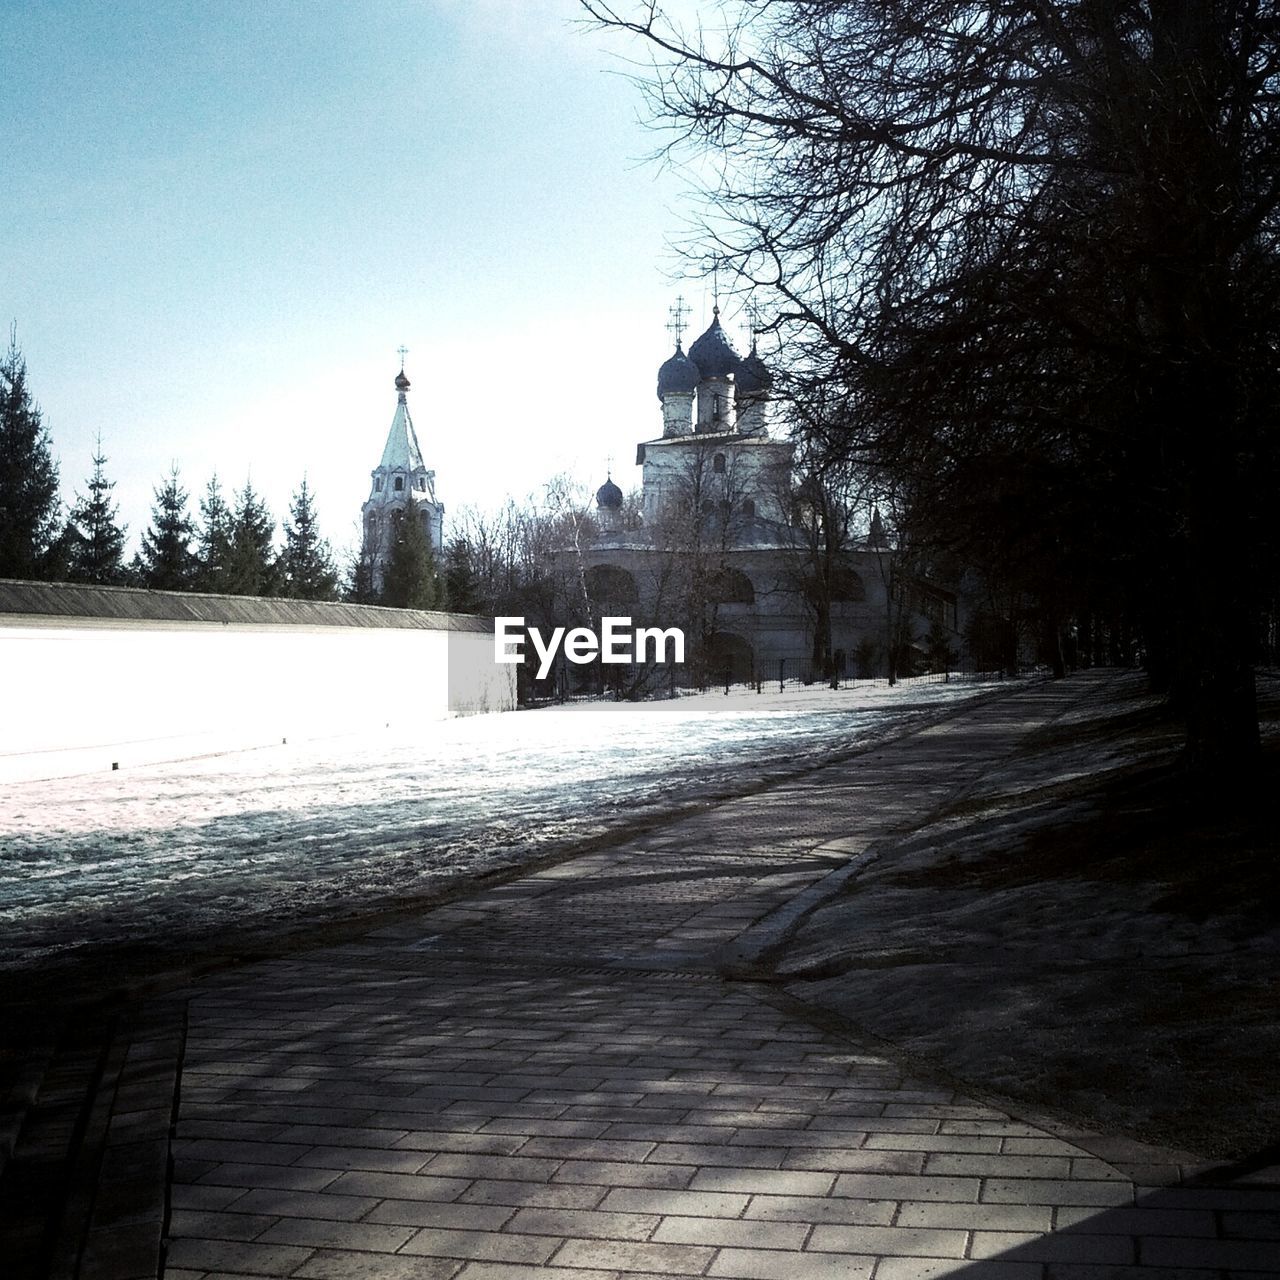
point(323, 828)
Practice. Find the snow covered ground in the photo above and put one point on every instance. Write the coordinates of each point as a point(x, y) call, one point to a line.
point(323, 829)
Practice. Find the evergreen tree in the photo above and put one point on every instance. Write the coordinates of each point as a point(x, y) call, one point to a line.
point(166, 561)
point(409, 580)
point(461, 583)
point(29, 505)
point(306, 563)
point(360, 588)
point(251, 564)
point(213, 540)
point(95, 541)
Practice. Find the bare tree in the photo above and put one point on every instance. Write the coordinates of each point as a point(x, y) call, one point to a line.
point(1036, 250)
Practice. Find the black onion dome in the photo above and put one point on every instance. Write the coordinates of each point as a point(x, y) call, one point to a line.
point(609, 496)
point(712, 352)
point(402, 383)
point(678, 376)
point(753, 377)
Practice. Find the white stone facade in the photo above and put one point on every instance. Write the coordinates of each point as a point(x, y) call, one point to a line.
point(716, 524)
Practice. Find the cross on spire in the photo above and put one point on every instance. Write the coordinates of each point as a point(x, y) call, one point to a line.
point(402, 351)
point(677, 314)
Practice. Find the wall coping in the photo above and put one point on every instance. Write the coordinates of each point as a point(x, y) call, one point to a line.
point(138, 604)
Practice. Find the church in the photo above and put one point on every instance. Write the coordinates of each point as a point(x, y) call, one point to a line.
point(400, 477)
point(719, 544)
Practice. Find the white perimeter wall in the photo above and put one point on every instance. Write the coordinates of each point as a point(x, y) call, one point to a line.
point(83, 694)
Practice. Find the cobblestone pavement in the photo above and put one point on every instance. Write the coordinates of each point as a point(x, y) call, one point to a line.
point(552, 1078)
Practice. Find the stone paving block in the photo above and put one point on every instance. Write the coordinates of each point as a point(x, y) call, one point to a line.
point(319, 1233)
point(317, 1135)
point(336, 1264)
point(603, 1173)
point(977, 1217)
point(730, 1155)
point(491, 1246)
point(586, 1223)
point(183, 1196)
point(1239, 1255)
point(535, 1194)
point(728, 1232)
point(1042, 1191)
point(705, 1204)
point(859, 1160)
point(290, 1177)
point(508, 1271)
point(1023, 1146)
point(838, 1122)
point(1253, 1226)
point(936, 1268)
point(762, 1264)
point(1066, 1246)
point(888, 1186)
point(821, 1209)
point(280, 1203)
point(550, 1128)
point(433, 1213)
point(255, 1258)
point(587, 1148)
point(784, 1182)
point(935, 1142)
point(923, 1242)
point(461, 1165)
point(397, 1186)
point(218, 1150)
point(1139, 1220)
point(212, 1224)
point(483, 1143)
point(997, 1166)
point(634, 1256)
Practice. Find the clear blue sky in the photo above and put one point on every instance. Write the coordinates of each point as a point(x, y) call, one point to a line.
point(222, 218)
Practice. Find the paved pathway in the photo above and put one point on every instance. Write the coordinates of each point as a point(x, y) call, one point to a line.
point(552, 1079)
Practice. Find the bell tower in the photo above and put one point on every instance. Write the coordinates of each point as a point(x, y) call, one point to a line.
point(400, 478)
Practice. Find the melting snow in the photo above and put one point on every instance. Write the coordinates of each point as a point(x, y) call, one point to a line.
point(324, 828)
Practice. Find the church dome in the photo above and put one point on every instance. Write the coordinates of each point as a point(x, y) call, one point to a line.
point(402, 383)
point(753, 377)
point(678, 376)
point(712, 353)
point(609, 496)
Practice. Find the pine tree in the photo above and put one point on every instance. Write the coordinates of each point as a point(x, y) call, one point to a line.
point(360, 588)
point(251, 564)
point(213, 540)
point(461, 583)
point(409, 580)
point(166, 562)
point(29, 504)
point(95, 540)
point(306, 563)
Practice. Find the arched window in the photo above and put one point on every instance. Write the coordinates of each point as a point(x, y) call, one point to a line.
point(847, 585)
point(610, 584)
point(399, 483)
point(730, 586)
point(377, 485)
point(717, 464)
point(748, 506)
